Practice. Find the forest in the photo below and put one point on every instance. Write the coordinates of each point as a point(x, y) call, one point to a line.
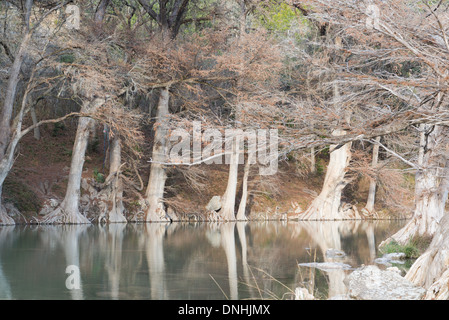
point(127, 111)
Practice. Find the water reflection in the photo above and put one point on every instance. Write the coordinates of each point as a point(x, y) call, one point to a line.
point(6, 233)
point(327, 236)
point(111, 239)
point(153, 245)
point(238, 260)
point(66, 237)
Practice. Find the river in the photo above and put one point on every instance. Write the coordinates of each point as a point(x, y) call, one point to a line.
point(200, 261)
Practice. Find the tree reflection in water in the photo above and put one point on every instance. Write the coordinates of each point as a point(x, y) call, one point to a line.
point(247, 260)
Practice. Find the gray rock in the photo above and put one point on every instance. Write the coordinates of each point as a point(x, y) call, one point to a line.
point(389, 258)
point(335, 253)
point(12, 210)
point(327, 266)
point(372, 283)
point(48, 206)
point(214, 204)
point(395, 256)
point(395, 269)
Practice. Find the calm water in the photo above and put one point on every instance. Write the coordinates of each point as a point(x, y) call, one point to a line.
point(252, 260)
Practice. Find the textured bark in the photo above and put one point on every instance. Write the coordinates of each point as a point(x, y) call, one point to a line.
point(154, 194)
point(327, 206)
point(10, 95)
point(5, 219)
point(227, 211)
point(431, 189)
point(369, 207)
point(68, 211)
point(241, 213)
point(37, 132)
point(431, 269)
point(110, 198)
point(115, 215)
point(7, 154)
point(169, 20)
point(7, 148)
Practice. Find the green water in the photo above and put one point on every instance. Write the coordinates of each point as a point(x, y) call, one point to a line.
point(254, 260)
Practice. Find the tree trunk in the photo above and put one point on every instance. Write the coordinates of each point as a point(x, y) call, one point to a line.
point(7, 155)
point(37, 132)
point(241, 213)
point(101, 11)
point(369, 207)
point(113, 187)
point(431, 189)
point(227, 211)
point(6, 163)
point(68, 211)
point(116, 214)
point(5, 167)
point(10, 96)
point(6, 150)
point(431, 269)
point(5, 219)
point(154, 195)
point(327, 206)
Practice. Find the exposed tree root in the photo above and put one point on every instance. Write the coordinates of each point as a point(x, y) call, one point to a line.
point(431, 269)
point(63, 216)
point(5, 219)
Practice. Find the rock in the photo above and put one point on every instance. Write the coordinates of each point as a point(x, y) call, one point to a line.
point(395, 256)
point(303, 294)
point(214, 204)
point(172, 214)
point(11, 209)
point(372, 283)
point(335, 253)
point(45, 187)
point(395, 269)
point(87, 186)
point(48, 206)
point(327, 266)
point(161, 213)
point(53, 203)
point(389, 258)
